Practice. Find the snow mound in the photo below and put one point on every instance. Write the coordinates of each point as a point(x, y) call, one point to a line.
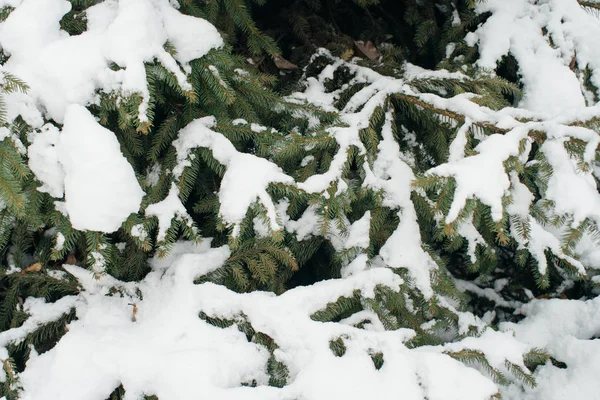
point(564, 329)
point(101, 189)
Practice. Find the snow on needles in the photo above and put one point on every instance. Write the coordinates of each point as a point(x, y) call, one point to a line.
point(246, 178)
point(565, 329)
point(65, 73)
point(516, 27)
point(101, 189)
point(165, 348)
point(178, 360)
point(490, 186)
point(85, 162)
point(62, 69)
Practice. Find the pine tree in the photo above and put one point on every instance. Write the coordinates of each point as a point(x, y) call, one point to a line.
point(367, 138)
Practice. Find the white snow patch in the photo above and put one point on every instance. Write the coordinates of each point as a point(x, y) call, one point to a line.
point(101, 189)
point(62, 69)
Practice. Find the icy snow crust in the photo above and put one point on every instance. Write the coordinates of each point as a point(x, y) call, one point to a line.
point(164, 348)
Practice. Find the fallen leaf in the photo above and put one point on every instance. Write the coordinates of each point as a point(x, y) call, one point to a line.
point(347, 54)
point(35, 267)
point(573, 61)
point(71, 260)
point(135, 310)
point(282, 63)
point(367, 49)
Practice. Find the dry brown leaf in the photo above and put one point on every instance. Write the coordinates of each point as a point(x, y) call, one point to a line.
point(347, 54)
point(573, 61)
point(71, 260)
point(35, 267)
point(134, 312)
point(367, 49)
point(282, 63)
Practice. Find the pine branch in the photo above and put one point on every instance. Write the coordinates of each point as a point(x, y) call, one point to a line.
point(447, 113)
point(590, 5)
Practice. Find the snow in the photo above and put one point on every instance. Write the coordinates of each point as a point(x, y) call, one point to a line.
point(62, 69)
point(64, 73)
point(105, 346)
point(565, 179)
point(183, 32)
point(101, 189)
point(358, 235)
point(403, 249)
point(467, 230)
point(540, 240)
point(156, 343)
point(498, 347)
point(139, 231)
point(391, 174)
point(483, 175)
point(306, 225)
point(41, 313)
point(44, 160)
point(516, 27)
point(60, 241)
point(247, 176)
point(564, 329)
point(457, 147)
point(84, 161)
point(153, 175)
point(4, 133)
point(165, 210)
point(488, 293)
point(521, 197)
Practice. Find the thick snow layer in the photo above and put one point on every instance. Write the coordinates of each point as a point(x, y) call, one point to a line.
point(545, 37)
point(566, 180)
point(85, 162)
point(565, 329)
point(515, 26)
point(165, 349)
point(101, 188)
point(62, 69)
point(44, 160)
point(64, 72)
point(403, 249)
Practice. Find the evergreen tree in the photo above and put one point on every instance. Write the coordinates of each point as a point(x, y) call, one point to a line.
point(358, 144)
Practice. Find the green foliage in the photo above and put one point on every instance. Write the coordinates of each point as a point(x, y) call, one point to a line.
point(256, 264)
point(298, 137)
point(14, 172)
